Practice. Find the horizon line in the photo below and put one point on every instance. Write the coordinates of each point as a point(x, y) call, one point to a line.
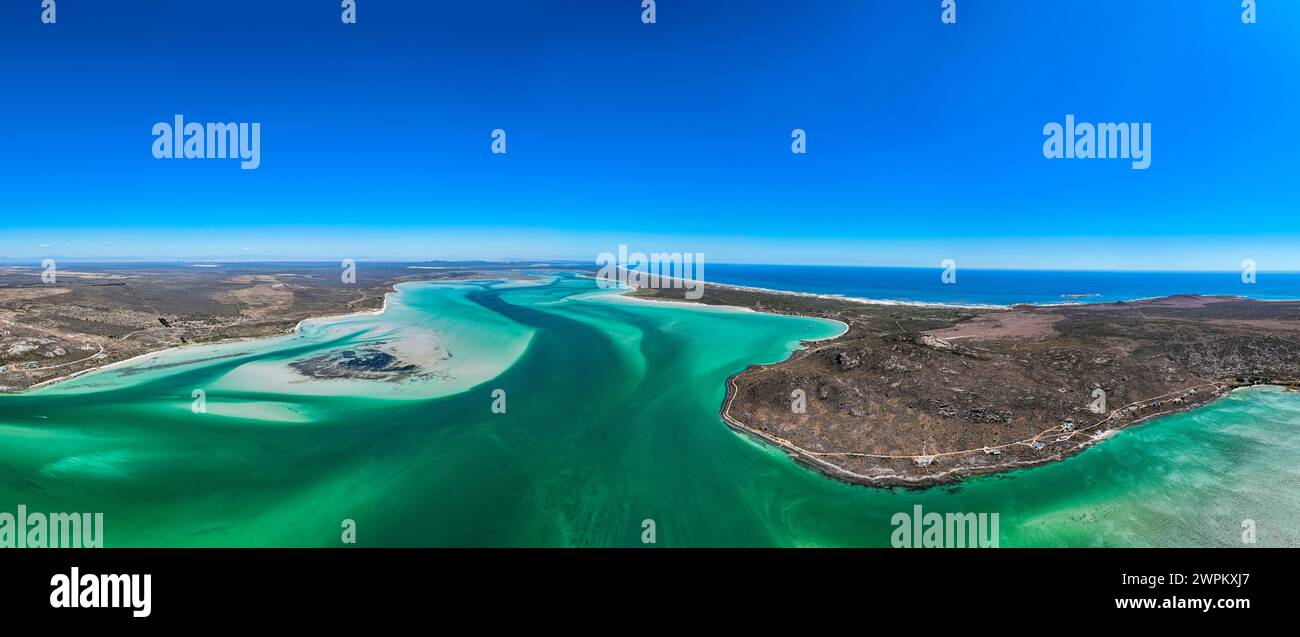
point(565, 261)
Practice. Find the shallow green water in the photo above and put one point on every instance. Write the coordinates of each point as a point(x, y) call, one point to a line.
point(611, 418)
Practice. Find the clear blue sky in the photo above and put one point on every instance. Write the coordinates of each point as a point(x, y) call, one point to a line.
point(924, 139)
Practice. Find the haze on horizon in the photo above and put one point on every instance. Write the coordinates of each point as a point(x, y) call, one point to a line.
point(541, 244)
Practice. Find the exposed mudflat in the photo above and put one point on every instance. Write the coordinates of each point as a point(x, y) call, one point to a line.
point(361, 363)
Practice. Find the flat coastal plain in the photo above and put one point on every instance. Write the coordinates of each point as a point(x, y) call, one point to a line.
point(93, 315)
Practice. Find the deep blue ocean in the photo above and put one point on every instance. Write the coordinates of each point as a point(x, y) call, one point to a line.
point(1000, 287)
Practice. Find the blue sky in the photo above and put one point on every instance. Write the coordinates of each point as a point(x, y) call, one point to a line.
point(924, 139)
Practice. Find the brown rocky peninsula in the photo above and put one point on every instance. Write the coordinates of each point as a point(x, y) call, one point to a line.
point(919, 395)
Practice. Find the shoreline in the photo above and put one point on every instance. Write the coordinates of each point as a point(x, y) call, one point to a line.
point(955, 475)
point(988, 306)
point(295, 329)
point(379, 312)
point(814, 462)
point(1070, 302)
point(625, 293)
point(1057, 443)
point(224, 341)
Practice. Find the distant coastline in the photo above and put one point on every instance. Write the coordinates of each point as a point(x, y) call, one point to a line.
point(996, 289)
point(943, 304)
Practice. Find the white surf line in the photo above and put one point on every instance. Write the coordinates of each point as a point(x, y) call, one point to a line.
point(626, 296)
point(968, 306)
point(828, 297)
